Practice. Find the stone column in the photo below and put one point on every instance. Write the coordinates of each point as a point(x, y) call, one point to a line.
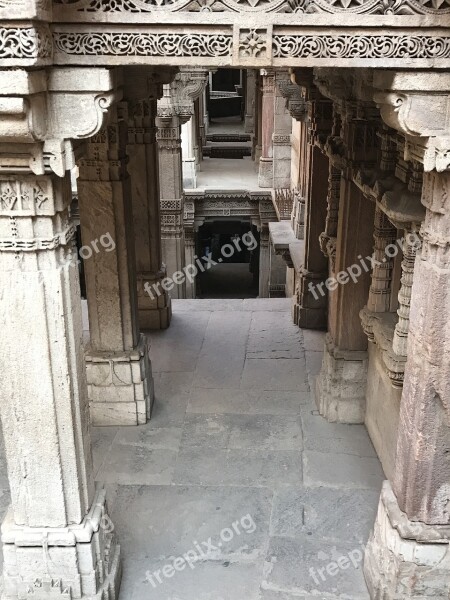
point(311, 309)
point(281, 138)
point(341, 385)
point(154, 305)
point(172, 198)
point(264, 261)
point(257, 142)
point(57, 538)
point(380, 290)
point(408, 553)
point(267, 121)
point(250, 100)
point(119, 375)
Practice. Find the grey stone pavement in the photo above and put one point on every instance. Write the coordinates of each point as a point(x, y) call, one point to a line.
point(235, 438)
point(237, 463)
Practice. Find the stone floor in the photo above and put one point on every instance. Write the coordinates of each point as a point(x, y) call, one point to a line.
point(237, 489)
point(236, 174)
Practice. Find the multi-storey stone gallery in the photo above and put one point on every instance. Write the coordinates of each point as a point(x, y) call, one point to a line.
point(299, 148)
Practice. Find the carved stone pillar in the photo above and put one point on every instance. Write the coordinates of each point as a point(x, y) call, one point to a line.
point(119, 375)
point(384, 235)
point(53, 542)
point(172, 198)
point(410, 248)
point(312, 307)
point(250, 100)
point(341, 384)
point(57, 538)
point(264, 261)
point(408, 552)
point(267, 122)
point(281, 138)
point(154, 304)
point(329, 236)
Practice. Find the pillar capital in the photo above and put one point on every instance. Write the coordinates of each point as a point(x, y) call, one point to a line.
point(44, 111)
point(417, 104)
point(294, 95)
point(179, 96)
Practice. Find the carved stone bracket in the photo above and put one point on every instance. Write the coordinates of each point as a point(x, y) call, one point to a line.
point(294, 95)
point(179, 96)
point(418, 105)
point(43, 113)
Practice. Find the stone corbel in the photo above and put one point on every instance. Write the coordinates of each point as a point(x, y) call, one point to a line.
point(418, 105)
point(296, 103)
point(187, 86)
point(45, 112)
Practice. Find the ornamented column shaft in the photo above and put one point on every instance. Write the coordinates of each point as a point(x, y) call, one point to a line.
point(410, 247)
point(267, 124)
point(281, 138)
point(118, 367)
point(385, 234)
point(264, 261)
point(422, 483)
point(172, 198)
point(250, 100)
point(154, 303)
point(54, 539)
point(328, 237)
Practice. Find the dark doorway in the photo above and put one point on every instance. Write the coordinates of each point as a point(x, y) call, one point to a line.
point(234, 248)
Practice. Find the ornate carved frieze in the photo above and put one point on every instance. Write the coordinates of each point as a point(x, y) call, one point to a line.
point(298, 45)
point(386, 7)
point(104, 43)
point(31, 45)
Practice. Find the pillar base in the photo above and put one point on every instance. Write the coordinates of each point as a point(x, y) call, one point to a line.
point(120, 386)
point(341, 384)
point(154, 313)
point(406, 559)
point(310, 309)
point(265, 177)
point(74, 562)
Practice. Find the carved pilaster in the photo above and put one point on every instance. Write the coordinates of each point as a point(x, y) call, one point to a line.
point(410, 249)
point(385, 235)
point(329, 236)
